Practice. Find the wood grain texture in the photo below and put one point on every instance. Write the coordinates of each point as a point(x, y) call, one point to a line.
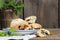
point(45, 10)
point(55, 35)
point(1, 17)
point(59, 13)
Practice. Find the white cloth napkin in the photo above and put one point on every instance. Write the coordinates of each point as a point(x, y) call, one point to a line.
point(26, 37)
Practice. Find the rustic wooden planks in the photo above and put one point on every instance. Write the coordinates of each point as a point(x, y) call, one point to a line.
point(45, 10)
point(59, 13)
point(55, 35)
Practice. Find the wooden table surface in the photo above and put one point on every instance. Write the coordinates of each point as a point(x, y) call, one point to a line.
point(55, 35)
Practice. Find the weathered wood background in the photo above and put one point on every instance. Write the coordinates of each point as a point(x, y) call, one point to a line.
point(59, 13)
point(45, 10)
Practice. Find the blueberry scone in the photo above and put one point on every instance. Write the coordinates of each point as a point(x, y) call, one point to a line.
point(31, 19)
point(16, 23)
point(35, 26)
point(43, 32)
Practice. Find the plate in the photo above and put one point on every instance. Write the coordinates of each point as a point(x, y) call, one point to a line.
point(26, 32)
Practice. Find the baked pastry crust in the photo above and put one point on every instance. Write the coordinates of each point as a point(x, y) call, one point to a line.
point(36, 26)
point(31, 19)
point(43, 32)
point(18, 22)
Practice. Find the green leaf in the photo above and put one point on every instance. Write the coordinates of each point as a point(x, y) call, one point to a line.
point(1, 3)
point(18, 11)
point(11, 30)
point(3, 34)
point(5, 6)
point(12, 2)
point(20, 5)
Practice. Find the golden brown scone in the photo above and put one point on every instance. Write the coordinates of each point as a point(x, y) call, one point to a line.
point(24, 26)
point(31, 19)
point(36, 26)
point(28, 27)
point(43, 32)
point(17, 22)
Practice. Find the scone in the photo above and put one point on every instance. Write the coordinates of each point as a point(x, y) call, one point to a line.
point(43, 32)
point(17, 22)
point(36, 26)
point(31, 19)
point(28, 27)
point(24, 27)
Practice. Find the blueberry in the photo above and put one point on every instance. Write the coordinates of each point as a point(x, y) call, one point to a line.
point(8, 32)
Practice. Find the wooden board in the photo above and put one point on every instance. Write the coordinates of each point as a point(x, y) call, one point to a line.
point(45, 10)
point(59, 13)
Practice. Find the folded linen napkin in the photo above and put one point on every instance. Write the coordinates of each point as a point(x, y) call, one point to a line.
point(26, 37)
